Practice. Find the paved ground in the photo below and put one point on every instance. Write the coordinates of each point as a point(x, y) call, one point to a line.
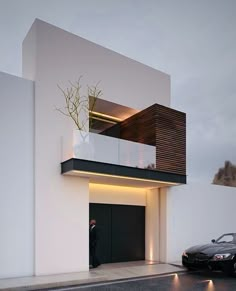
point(134, 276)
point(104, 273)
point(182, 282)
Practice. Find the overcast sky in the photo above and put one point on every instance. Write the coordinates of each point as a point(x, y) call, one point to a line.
point(192, 40)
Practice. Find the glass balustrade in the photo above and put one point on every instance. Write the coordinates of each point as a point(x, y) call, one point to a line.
point(106, 149)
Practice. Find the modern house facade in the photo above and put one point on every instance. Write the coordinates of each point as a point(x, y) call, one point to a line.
point(128, 175)
point(121, 174)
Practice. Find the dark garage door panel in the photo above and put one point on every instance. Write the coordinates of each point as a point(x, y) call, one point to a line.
point(128, 233)
point(102, 213)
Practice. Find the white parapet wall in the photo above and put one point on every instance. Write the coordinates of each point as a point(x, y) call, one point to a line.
point(197, 213)
point(16, 177)
point(62, 56)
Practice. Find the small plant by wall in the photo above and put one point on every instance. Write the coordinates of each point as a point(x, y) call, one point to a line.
point(78, 106)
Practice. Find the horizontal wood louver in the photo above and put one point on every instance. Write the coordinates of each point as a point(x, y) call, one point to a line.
point(170, 140)
point(159, 126)
point(140, 127)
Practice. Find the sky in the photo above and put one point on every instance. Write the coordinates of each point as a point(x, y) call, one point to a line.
point(192, 40)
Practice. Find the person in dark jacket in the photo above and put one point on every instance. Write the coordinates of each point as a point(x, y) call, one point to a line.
point(93, 238)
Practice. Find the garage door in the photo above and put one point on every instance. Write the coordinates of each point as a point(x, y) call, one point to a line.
point(121, 230)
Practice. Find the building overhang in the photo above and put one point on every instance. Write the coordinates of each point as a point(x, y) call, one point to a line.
point(110, 174)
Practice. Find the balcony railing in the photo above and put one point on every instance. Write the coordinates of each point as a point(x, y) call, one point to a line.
point(105, 149)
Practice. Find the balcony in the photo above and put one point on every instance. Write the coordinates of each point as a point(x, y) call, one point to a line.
point(109, 160)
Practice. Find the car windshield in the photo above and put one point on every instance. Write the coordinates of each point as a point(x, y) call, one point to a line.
point(226, 238)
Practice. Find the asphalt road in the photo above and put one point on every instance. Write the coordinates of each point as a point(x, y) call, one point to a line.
point(183, 282)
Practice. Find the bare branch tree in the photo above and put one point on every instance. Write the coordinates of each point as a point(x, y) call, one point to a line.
point(79, 107)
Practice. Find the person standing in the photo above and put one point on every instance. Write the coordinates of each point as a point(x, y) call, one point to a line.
point(93, 238)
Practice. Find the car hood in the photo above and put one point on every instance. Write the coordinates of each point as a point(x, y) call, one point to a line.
point(213, 248)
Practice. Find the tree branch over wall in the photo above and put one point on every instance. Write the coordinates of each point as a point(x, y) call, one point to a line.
point(80, 107)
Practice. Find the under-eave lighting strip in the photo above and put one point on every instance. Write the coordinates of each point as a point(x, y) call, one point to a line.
point(121, 177)
point(104, 120)
point(105, 116)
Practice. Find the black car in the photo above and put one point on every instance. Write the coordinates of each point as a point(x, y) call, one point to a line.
point(218, 255)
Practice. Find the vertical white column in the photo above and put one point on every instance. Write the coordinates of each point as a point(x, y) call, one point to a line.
point(163, 224)
point(152, 225)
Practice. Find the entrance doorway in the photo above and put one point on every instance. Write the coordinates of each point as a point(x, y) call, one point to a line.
point(121, 230)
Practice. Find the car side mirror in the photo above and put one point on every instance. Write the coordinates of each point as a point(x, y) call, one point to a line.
point(213, 240)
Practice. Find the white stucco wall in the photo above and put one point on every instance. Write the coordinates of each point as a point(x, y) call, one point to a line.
point(122, 80)
point(198, 213)
point(16, 177)
point(108, 194)
point(52, 56)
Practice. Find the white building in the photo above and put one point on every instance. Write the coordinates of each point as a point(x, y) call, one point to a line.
point(46, 190)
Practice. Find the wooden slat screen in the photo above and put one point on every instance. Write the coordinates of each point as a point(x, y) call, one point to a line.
point(162, 127)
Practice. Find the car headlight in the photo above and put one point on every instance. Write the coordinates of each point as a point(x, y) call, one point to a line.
point(184, 254)
point(218, 257)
